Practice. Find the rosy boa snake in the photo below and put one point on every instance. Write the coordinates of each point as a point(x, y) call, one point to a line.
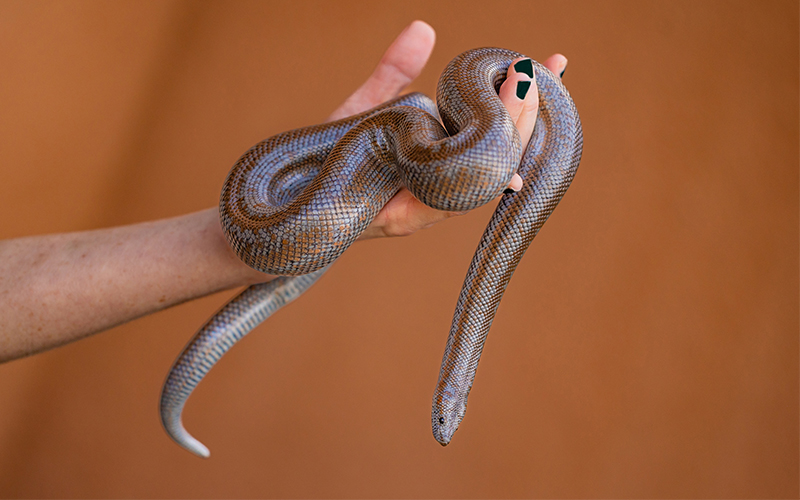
point(295, 202)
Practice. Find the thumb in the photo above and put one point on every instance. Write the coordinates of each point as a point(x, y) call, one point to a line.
point(400, 65)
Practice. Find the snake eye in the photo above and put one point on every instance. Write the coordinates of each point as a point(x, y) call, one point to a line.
point(441, 420)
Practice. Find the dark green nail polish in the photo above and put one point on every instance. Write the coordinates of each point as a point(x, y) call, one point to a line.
point(522, 89)
point(524, 66)
point(562, 72)
point(509, 191)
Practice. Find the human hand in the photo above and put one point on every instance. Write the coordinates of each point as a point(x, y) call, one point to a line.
point(400, 65)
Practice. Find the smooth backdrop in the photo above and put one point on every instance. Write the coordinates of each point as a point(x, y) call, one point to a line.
point(646, 347)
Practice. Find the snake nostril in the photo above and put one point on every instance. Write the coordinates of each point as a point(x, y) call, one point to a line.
point(441, 420)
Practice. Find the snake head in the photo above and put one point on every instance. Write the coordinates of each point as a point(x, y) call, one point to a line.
point(446, 415)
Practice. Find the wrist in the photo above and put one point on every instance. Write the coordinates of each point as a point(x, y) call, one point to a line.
point(229, 264)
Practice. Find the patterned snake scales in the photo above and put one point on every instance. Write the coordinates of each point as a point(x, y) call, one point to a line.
point(294, 202)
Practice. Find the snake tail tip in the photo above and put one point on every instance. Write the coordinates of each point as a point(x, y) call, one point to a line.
point(194, 446)
point(201, 451)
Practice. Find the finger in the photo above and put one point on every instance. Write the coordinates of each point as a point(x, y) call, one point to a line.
point(518, 85)
point(556, 63)
point(515, 184)
point(521, 97)
point(528, 110)
point(399, 66)
point(402, 62)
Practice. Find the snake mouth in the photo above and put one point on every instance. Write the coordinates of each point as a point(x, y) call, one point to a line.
point(443, 434)
point(445, 419)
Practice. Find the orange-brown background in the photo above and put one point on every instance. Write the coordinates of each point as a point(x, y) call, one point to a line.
point(646, 347)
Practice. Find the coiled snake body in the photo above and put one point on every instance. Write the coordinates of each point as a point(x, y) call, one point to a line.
point(294, 202)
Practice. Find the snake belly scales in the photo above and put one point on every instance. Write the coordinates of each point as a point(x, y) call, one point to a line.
point(295, 202)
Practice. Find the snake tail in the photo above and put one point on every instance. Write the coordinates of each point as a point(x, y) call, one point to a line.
point(235, 320)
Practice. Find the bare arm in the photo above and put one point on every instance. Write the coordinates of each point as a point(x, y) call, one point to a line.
point(55, 289)
point(59, 288)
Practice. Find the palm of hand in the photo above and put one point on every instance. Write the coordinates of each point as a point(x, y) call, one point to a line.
point(400, 65)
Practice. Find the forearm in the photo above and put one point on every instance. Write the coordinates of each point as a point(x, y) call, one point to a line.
point(59, 288)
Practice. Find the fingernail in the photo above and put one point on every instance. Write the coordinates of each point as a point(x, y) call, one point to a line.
point(522, 89)
point(509, 191)
point(524, 66)
point(562, 72)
